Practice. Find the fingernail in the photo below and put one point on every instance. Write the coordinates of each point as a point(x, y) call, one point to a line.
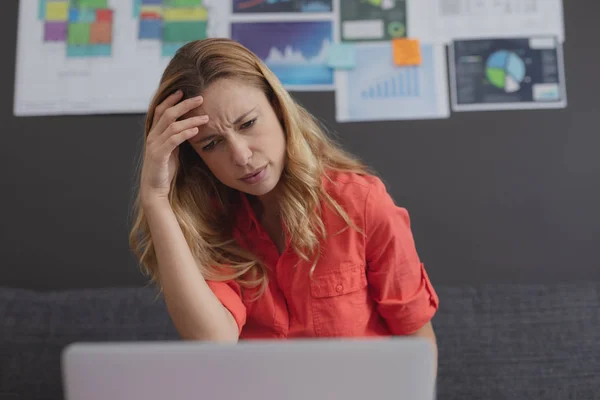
point(198, 98)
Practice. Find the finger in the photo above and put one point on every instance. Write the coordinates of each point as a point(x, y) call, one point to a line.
point(175, 140)
point(173, 113)
point(180, 126)
point(170, 101)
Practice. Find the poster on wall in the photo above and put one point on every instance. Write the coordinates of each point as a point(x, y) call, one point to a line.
point(296, 51)
point(372, 20)
point(507, 74)
point(102, 56)
point(360, 21)
point(377, 89)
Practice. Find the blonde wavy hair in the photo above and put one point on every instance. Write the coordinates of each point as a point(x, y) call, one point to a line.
point(195, 191)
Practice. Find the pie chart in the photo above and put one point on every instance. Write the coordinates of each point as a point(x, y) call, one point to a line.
point(505, 70)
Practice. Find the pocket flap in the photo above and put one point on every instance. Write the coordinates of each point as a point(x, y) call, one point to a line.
point(339, 282)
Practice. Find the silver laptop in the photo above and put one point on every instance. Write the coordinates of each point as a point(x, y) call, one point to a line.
point(379, 369)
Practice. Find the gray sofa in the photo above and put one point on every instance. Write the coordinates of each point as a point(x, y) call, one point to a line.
point(495, 342)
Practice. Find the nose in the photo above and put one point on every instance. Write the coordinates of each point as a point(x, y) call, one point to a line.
point(240, 151)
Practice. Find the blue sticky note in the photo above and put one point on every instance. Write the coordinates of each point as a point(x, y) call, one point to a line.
point(42, 10)
point(341, 56)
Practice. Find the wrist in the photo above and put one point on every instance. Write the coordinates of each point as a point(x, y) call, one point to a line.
point(154, 203)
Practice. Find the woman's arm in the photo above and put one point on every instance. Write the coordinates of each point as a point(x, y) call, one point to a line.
point(397, 278)
point(194, 309)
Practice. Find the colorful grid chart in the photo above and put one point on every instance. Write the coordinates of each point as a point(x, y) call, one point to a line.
point(86, 26)
point(173, 22)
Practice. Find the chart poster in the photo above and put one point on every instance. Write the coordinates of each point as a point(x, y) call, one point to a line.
point(78, 57)
point(507, 74)
point(372, 20)
point(377, 89)
point(281, 6)
point(295, 51)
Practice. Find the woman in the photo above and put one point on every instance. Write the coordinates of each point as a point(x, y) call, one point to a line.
point(256, 225)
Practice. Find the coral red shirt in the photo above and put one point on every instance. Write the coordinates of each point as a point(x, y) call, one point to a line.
point(363, 285)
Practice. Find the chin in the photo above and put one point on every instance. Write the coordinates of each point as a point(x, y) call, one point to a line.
point(258, 190)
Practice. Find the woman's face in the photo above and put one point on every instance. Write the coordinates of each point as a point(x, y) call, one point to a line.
point(243, 143)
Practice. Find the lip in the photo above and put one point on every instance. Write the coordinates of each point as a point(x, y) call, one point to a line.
point(256, 176)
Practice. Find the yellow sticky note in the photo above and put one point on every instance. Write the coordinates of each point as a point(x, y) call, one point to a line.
point(406, 51)
point(186, 14)
point(57, 11)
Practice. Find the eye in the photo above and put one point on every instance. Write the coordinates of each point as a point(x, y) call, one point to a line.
point(248, 124)
point(210, 146)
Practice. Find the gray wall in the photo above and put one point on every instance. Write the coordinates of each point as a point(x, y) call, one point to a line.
point(494, 197)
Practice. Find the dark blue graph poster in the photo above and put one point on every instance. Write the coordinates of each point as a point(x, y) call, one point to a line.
point(496, 74)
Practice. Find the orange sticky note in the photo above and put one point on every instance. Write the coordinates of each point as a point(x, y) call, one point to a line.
point(406, 51)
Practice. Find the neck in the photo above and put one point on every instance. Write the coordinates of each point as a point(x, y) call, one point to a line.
point(267, 206)
point(267, 212)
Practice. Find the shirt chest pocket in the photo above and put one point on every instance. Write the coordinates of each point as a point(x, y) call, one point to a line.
point(341, 306)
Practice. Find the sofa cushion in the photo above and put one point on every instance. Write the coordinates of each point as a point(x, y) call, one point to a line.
point(37, 326)
point(519, 342)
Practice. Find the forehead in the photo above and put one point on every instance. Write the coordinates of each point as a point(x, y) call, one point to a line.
point(227, 96)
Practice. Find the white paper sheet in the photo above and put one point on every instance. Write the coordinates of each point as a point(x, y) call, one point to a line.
point(466, 19)
point(422, 24)
point(50, 81)
point(378, 90)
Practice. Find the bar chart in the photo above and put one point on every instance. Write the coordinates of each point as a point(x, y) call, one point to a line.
point(403, 84)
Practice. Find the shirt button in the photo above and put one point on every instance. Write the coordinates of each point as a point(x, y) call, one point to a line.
point(339, 288)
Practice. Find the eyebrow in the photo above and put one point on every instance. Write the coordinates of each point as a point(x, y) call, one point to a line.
point(237, 121)
point(241, 118)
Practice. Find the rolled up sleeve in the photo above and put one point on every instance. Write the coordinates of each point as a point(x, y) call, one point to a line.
point(230, 295)
point(398, 282)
